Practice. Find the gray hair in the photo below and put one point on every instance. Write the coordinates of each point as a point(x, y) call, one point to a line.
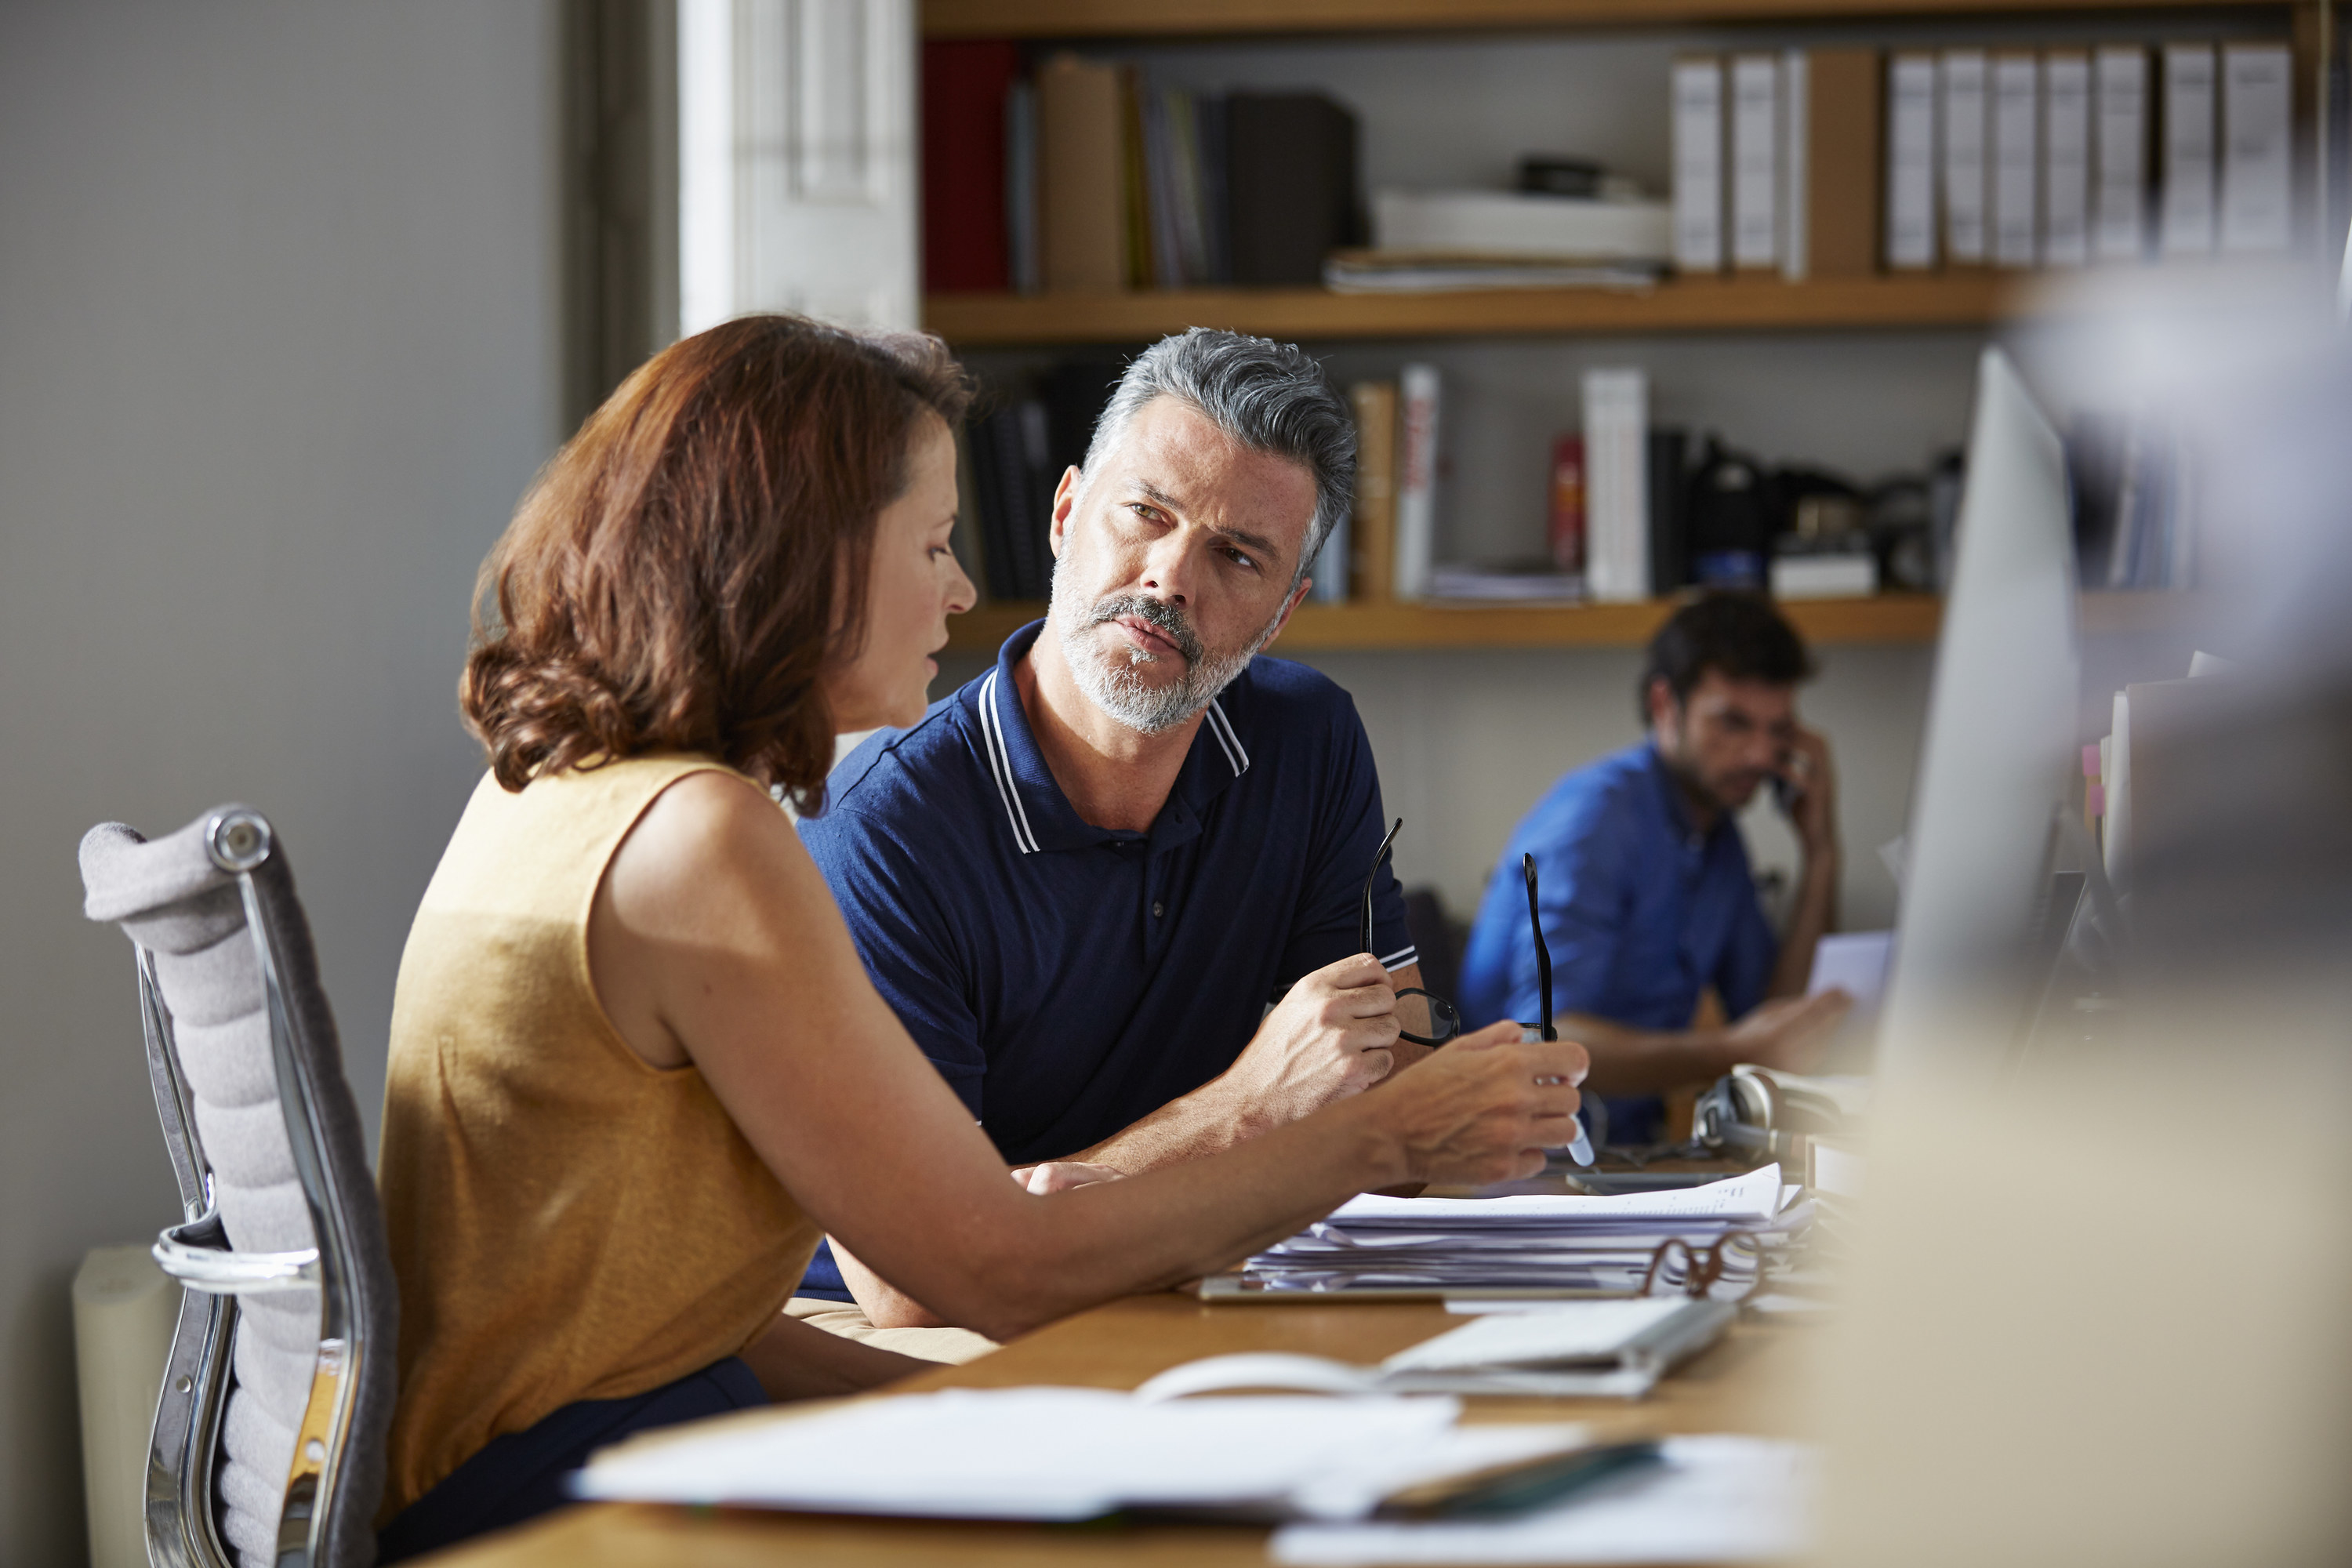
point(1271, 397)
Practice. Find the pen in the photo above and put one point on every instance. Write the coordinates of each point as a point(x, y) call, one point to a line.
point(1580, 1150)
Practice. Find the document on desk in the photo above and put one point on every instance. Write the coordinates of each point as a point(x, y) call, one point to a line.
point(1556, 1245)
point(1070, 1454)
point(1716, 1499)
point(1755, 1196)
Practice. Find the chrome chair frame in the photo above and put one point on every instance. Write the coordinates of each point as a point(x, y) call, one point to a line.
point(182, 1526)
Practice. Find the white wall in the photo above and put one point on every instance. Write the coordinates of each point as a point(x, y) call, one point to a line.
point(278, 352)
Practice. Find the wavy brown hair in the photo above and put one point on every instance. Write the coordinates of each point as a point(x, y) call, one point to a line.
point(685, 571)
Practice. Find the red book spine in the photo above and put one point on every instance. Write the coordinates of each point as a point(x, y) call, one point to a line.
point(964, 83)
point(1567, 532)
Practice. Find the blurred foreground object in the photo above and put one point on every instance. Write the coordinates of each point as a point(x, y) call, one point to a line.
point(2097, 1315)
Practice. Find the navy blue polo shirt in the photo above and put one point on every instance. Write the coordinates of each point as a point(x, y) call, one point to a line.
point(1068, 980)
point(1640, 913)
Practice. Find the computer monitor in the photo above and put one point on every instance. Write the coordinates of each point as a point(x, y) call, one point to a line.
point(1997, 756)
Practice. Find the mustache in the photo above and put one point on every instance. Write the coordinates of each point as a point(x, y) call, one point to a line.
point(1161, 615)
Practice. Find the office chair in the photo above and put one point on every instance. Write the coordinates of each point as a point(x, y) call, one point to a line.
point(269, 1444)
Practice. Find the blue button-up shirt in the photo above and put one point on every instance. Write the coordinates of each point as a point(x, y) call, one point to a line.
point(1641, 912)
point(1068, 980)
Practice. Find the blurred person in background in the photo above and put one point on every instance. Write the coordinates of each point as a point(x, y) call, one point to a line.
point(1647, 898)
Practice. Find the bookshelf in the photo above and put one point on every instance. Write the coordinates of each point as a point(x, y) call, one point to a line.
point(1888, 619)
point(1214, 19)
point(1976, 299)
point(1334, 629)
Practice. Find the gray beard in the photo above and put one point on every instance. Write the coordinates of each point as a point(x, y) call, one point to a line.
point(1111, 678)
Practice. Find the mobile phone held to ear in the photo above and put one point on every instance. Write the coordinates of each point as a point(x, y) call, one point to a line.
point(1785, 795)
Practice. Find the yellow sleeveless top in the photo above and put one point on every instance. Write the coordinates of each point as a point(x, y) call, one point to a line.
point(567, 1222)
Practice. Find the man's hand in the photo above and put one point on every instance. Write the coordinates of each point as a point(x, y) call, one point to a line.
point(1485, 1108)
point(1790, 1035)
point(1333, 1036)
point(1812, 793)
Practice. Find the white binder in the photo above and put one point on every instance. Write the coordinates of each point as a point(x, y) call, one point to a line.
point(1617, 487)
point(1698, 165)
point(2016, 159)
point(1963, 84)
point(2119, 126)
point(1418, 419)
point(1755, 161)
point(1796, 166)
point(2257, 101)
point(2065, 158)
point(1911, 162)
point(2187, 226)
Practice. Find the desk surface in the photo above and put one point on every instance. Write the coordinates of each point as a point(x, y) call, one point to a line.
point(1732, 1387)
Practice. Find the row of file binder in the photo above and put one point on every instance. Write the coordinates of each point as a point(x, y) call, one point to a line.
point(1833, 163)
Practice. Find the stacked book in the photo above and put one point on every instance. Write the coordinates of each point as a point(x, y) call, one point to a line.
point(1549, 1245)
point(1528, 238)
point(1845, 162)
point(1014, 453)
point(1084, 176)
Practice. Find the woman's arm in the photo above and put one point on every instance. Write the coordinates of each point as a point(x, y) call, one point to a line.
point(714, 941)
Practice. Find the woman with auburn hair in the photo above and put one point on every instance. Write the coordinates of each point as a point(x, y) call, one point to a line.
point(636, 1066)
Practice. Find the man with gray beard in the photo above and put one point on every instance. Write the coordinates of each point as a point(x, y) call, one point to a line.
point(1082, 879)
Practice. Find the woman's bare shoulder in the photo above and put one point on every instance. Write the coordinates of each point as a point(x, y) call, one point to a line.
point(708, 841)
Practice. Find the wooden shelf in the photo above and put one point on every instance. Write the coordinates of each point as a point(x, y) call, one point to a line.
point(1945, 300)
point(1375, 628)
point(1198, 18)
point(1334, 629)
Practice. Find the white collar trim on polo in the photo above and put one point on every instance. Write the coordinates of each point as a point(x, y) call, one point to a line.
point(1008, 788)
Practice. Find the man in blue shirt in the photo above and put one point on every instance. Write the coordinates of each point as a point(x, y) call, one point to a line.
point(1082, 879)
point(1645, 893)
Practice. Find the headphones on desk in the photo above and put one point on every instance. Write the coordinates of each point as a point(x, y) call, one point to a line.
point(1746, 1112)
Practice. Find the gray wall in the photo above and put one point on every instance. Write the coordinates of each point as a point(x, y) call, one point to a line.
point(278, 352)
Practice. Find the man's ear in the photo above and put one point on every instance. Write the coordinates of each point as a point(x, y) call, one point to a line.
point(1666, 712)
point(1296, 595)
point(1065, 500)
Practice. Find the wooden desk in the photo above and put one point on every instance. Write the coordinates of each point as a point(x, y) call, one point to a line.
point(1733, 1388)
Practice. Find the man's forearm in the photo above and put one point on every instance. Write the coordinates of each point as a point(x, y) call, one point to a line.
point(795, 1361)
point(1218, 1115)
point(1209, 1120)
point(1815, 916)
point(884, 1305)
point(1647, 1061)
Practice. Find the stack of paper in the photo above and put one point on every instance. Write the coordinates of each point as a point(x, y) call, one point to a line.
point(1563, 1244)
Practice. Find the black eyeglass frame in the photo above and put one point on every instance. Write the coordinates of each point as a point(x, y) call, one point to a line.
point(1440, 1009)
point(1544, 1026)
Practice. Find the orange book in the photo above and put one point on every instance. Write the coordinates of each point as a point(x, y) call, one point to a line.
point(1373, 532)
point(1081, 176)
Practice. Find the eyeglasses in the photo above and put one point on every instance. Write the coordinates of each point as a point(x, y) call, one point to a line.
point(1701, 1269)
point(1424, 1018)
point(1543, 954)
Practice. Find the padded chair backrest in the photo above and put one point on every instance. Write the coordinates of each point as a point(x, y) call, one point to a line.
point(263, 1130)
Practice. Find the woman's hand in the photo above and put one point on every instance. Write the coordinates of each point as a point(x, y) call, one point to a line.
point(1061, 1176)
